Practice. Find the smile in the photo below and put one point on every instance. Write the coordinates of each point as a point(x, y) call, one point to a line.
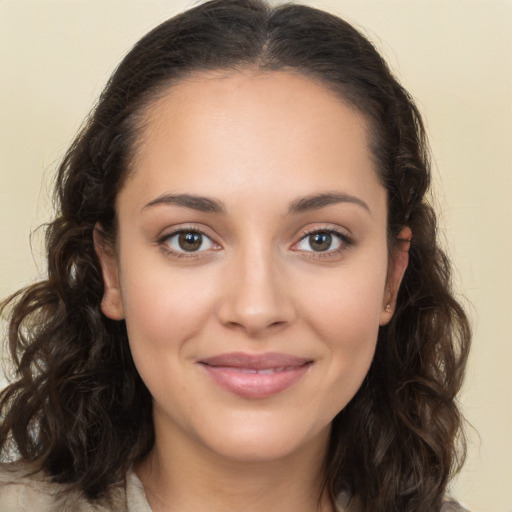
point(267, 371)
point(255, 376)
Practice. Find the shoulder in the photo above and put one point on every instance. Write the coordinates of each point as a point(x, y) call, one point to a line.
point(23, 490)
point(451, 505)
point(346, 504)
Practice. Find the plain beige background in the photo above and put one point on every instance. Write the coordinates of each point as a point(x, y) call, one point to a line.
point(454, 57)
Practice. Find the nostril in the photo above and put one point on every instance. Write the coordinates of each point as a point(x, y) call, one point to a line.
point(255, 298)
point(256, 324)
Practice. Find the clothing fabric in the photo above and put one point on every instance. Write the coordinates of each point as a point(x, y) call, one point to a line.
point(22, 492)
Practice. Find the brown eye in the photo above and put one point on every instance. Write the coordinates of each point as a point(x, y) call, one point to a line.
point(320, 241)
point(190, 241)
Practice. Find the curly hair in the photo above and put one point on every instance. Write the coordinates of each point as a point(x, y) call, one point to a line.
point(78, 408)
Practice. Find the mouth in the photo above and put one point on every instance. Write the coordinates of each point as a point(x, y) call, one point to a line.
point(255, 376)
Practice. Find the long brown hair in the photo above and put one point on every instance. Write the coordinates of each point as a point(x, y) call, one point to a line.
point(78, 408)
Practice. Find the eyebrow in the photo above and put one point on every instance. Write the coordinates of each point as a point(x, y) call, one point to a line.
point(199, 203)
point(317, 201)
point(300, 205)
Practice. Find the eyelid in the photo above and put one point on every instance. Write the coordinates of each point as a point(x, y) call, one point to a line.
point(163, 239)
point(346, 241)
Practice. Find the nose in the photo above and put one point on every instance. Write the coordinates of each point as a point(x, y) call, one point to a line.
point(256, 299)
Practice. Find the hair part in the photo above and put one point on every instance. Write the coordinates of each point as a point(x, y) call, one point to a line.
point(78, 408)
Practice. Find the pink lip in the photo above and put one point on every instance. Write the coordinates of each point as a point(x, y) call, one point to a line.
point(255, 376)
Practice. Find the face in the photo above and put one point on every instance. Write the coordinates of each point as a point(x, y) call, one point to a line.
point(252, 262)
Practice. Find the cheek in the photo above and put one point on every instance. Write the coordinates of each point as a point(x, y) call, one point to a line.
point(163, 309)
point(347, 304)
point(344, 312)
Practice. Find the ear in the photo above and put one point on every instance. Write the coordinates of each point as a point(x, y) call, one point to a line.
point(111, 303)
point(397, 266)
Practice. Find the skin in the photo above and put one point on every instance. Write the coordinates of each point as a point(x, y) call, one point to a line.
point(259, 143)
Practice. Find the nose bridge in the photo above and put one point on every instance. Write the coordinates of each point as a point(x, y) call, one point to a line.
point(256, 297)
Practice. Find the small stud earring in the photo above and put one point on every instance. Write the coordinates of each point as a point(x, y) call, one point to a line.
point(388, 308)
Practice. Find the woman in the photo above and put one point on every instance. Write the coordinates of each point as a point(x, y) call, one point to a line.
point(246, 306)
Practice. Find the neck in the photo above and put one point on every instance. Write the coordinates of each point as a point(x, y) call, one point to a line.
point(183, 476)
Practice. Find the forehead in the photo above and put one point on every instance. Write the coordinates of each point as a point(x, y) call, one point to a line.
point(250, 129)
point(250, 98)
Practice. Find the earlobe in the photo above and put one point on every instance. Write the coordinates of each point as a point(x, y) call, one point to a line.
point(396, 271)
point(111, 303)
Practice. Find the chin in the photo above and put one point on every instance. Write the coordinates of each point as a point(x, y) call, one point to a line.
point(264, 443)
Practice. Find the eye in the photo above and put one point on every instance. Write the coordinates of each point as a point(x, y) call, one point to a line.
point(322, 241)
point(188, 240)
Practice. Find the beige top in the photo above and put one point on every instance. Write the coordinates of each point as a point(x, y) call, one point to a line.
point(35, 493)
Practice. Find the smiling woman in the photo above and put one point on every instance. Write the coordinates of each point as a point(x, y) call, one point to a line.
point(246, 308)
point(259, 288)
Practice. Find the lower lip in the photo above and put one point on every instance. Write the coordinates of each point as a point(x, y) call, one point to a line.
point(255, 385)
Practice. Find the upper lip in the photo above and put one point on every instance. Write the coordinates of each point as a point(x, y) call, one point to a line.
point(255, 361)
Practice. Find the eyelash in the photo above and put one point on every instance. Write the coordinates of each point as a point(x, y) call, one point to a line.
point(345, 243)
point(163, 242)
